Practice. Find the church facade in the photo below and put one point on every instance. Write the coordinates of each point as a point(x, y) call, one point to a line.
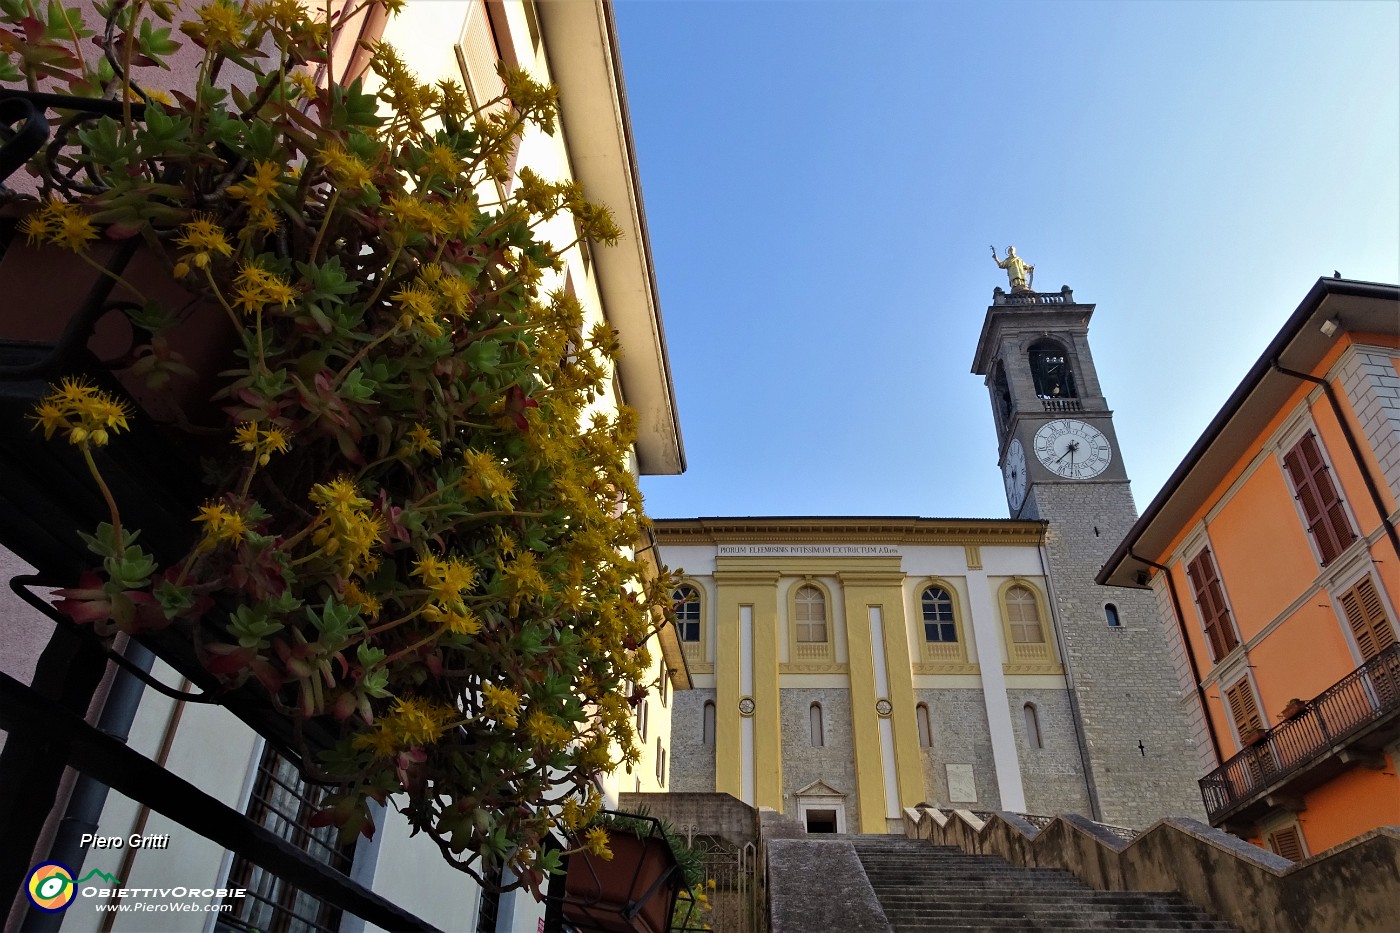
point(845, 668)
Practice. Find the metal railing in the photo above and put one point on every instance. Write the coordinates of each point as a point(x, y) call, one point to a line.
point(1062, 404)
point(1365, 696)
point(1063, 297)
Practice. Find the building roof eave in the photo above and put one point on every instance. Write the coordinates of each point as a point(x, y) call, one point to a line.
point(1358, 307)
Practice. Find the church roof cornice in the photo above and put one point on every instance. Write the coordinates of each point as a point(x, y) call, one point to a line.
point(847, 530)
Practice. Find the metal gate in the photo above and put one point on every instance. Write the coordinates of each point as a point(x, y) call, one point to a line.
point(734, 883)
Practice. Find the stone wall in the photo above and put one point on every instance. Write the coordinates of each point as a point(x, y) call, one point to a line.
point(833, 762)
point(960, 737)
point(692, 759)
point(1053, 774)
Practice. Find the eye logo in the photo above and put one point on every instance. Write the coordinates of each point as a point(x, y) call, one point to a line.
point(50, 887)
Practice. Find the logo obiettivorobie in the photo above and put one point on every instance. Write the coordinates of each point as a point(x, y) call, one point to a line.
point(50, 885)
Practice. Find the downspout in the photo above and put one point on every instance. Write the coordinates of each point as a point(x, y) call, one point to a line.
point(1355, 448)
point(1190, 654)
point(1084, 764)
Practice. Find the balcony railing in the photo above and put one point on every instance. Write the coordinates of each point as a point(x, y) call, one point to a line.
point(1330, 723)
point(1063, 297)
point(1062, 404)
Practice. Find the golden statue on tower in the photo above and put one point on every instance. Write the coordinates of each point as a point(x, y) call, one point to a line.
point(1020, 272)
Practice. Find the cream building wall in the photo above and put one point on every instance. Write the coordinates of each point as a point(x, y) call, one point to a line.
point(760, 682)
point(572, 45)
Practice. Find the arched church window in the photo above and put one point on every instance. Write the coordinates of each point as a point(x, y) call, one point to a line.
point(1110, 613)
point(939, 623)
point(925, 725)
point(1032, 726)
point(814, 713)
point(1023, 616)
point(810, 606)
point(686, 599)
point(1051, 372)
point(707, 723)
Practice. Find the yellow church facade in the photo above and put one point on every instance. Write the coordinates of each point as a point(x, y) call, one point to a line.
point(846, 668)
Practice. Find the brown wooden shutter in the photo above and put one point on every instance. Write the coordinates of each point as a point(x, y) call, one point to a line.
point(1317, 495)
point(1288, 843)
point(1366, 616)
point(1210, 598)
point(1243, 709)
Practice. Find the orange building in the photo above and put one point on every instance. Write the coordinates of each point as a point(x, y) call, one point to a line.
point(1274, 548)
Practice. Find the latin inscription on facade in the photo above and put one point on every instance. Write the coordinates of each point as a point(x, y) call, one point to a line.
point(808, 550)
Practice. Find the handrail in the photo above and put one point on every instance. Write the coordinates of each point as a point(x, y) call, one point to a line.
point(1366, 695)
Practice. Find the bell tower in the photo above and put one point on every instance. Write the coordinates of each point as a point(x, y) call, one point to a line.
point(1060, 463)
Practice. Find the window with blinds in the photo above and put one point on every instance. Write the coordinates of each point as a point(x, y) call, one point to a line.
point(1317, 496)
point(1210, 599)
point(1287, 842)
point(1365, 616)
point(1243, 709)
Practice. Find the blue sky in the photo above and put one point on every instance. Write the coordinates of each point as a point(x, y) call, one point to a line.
point(823, 180)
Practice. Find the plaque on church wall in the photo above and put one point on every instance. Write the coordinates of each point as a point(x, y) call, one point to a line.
point(962, 788)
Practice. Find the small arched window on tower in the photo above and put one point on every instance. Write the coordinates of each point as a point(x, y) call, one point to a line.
point(1001, 395)
point(925, 725)
point(1051, 372)
point(1110, 613)
point(1032, 727)
point(814, 712)
point(707, 723)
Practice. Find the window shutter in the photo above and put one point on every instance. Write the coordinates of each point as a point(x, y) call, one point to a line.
point(1210, 598)
point(1366, 617)
point(1317, 495)
point(1243, 709)
point(1288, 843)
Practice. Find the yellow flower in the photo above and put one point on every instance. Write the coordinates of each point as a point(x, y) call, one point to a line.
point(59, 224)
point(263, 443)
point(339, 494)
point(419, 439)
point(502, 704)
point(596, 841)
point(204, 238)
point(255, 287)
point(346, 170)
point(413, 722)
point(220, 524)
point(220, 23)
point(418, 308)
point(546, 730)
point(86, 413)
point(485, 479)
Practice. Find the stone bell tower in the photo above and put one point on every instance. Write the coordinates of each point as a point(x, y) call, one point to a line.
point(1061, 463)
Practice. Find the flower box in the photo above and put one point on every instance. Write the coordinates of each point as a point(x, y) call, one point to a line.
point(635, 890)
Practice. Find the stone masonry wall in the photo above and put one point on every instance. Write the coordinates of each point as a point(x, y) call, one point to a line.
point(1053, 774)
point(692, 759)
point(833, 762)
point(1372, 385)
point(960, 737)
point(1139, 742)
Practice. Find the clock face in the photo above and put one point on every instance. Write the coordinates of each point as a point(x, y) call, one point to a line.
point(1072, 449)
point(1013, 470)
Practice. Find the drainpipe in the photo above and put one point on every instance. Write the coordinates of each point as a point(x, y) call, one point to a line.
point(1095, 813)
point(1190, 654)
point(1361, 464)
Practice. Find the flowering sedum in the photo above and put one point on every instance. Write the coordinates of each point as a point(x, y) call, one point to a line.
point(413, 538)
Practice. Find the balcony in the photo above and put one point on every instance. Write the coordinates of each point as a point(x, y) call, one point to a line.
point(1347, 724)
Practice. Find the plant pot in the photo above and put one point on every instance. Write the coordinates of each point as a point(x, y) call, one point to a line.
point(633, 891)
point(48, 289)
point(1293, 708)
point(1253, 737)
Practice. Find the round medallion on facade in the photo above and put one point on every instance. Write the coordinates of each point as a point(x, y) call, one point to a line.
point(746, 706)
point(884, 707)
point(1072, 449)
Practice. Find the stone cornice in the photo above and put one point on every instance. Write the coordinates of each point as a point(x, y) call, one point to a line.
point(679, 532)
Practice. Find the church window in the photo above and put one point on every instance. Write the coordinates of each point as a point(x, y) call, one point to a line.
point(1051, 372)
point(1210, 600)
point(1323, 509)
point(707, 723)
point(1033, 739)
point(1023, 616)
point(814, 715)
point(939, 622)
point(1110, 613)
point(686, 599)
point(925, 725)
point(1365, 615)
point(810, 606)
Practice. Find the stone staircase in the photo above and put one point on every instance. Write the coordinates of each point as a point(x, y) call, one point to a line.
point(925, 888)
